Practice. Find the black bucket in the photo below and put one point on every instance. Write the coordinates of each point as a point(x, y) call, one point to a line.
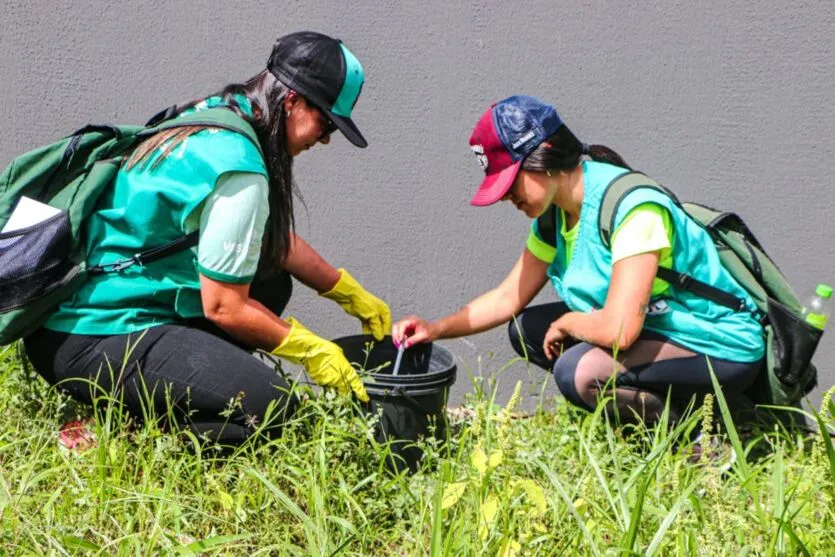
point(411, 404)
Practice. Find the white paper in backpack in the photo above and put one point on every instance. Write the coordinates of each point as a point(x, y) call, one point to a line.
point(28, 212)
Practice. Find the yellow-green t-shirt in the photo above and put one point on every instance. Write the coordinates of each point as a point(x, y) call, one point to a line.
point(645, 229)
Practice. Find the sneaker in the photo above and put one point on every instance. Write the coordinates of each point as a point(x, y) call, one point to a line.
point(76, 435)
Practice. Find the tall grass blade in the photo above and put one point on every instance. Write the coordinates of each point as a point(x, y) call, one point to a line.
point(741, 463)
point(310, 528)
point(827, 443)
point(196, 548)
point(79, 544)
point(669, 519)
point(557, 484)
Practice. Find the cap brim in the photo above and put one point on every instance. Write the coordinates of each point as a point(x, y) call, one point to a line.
point(348, 129)
point(495, 186)
point(345, 125)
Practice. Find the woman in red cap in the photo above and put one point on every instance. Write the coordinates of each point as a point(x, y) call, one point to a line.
point(177, 333)
point(616, 318)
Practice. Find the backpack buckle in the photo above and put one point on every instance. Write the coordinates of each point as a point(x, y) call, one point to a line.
point(123, 264)
point(116, 266)
point(684, 281)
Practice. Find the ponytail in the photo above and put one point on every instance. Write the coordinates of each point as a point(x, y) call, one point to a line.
point(601, 153)
point(563, 151)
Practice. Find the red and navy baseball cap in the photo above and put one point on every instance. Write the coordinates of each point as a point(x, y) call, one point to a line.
point(323, 71)
point(508, 132)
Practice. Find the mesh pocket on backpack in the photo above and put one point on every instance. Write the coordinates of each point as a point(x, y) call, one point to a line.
point(794, 342)
point(34, 261)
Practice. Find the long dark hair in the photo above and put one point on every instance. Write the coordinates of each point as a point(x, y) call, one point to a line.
point(563, 151)
point(266, 95)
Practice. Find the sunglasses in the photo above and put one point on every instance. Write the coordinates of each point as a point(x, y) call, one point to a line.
point(328, 127)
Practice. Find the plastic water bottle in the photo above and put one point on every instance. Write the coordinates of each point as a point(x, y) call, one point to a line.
point(817, 310)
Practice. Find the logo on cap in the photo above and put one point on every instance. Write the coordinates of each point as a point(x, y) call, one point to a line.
point(524, 139)
point(479, 153)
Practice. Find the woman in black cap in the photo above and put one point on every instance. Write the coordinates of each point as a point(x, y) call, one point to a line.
point(178, 332)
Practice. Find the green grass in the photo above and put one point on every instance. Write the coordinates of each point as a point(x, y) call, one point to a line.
point(556, 482)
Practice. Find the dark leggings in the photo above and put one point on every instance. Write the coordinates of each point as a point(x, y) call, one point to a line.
point(212, 385)
point(646, 372)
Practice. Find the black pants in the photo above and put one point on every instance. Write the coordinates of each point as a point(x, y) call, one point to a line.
point(643, 384)
point(211, 384)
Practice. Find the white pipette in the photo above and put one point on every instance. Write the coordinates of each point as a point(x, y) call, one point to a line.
point(400, 351)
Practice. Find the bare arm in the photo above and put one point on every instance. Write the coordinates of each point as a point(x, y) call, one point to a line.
point(499, 305)
point(305, 264)
point(620, 321)
point(230, 308)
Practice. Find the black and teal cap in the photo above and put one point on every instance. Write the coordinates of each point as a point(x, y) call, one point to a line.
point(325, 72)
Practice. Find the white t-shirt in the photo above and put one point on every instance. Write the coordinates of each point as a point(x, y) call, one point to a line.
point(232, 225)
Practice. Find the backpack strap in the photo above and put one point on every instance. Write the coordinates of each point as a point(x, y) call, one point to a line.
point(212, 117)
point(614, 194)
point(104, 129)
point(145, 257)
point(162, 116)
point(727, 220)
point(699, 288)
point(547, 225)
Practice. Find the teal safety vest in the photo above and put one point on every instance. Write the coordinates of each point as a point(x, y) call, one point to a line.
point(148, 207)
point(689, 320)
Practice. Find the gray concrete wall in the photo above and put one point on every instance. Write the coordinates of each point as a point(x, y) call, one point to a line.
point(727, 104)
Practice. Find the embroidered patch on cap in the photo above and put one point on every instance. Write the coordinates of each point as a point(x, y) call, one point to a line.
point(479, 153)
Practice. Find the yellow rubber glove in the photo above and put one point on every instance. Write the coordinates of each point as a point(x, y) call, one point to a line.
point(324, 361)
point(373, 312)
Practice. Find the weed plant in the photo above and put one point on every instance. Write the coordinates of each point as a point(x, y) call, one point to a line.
point(557, 481)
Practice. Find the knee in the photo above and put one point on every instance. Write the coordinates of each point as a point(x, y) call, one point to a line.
point(565, 374)
point(526, 340)
point(515, 335)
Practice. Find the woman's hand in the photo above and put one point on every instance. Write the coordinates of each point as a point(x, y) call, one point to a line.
point(324, 361)
point(413, 330)
point(554, 339)
point(373, 313)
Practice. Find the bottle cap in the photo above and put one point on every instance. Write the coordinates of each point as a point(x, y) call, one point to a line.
point(824, 291)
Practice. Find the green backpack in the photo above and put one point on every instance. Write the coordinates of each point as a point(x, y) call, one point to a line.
point(790, 341)
point(43, 263)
